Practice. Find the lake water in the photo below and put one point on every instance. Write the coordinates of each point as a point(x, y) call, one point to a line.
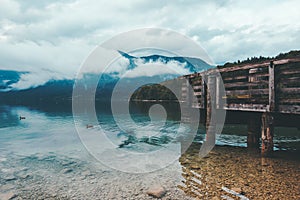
point(43, 157)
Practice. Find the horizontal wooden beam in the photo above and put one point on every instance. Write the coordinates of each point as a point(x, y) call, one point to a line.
point(290, 72)
point(263, 64)
point(290, 90)
point(291, 109)
point(245, 84)
point(289, 101)
point(235, 78)
point(245, 92)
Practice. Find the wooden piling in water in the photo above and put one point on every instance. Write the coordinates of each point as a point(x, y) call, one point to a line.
point(269, 89)
point(267, 133)
point(267, 129)
point(211, 110)
point(254, 129)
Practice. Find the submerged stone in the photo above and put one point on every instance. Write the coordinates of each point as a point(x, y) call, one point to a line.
point(7, 196)
point(156, 191)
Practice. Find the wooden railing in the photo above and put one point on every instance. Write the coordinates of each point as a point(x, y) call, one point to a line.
point(265, 87)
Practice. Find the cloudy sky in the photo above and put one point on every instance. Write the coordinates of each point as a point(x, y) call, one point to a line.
point(56, 36)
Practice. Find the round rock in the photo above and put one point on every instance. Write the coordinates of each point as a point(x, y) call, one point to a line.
point(156, 191)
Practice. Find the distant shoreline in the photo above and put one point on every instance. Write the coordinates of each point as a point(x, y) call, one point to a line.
point(154, 100)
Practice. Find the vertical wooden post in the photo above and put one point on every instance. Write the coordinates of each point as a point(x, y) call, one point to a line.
point(211, 110)
point(267, 132)
point(204, 96)
point(203, 91)
point(267, 129)
point(254, 128)
point(218, 82)
point(184, 98)
point(184, 90)
point(272, 95)
point(189, 93)
point(220, 92)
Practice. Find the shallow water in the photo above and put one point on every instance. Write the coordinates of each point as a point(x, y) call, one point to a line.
point(239, 173)
point(43, 157)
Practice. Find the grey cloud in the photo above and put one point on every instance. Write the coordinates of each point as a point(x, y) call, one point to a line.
point(39, 4)
point(43, 34)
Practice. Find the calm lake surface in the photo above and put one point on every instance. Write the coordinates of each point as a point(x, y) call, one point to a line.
point(42, 157)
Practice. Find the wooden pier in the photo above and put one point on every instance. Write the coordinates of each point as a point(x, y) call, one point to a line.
point(262, 95)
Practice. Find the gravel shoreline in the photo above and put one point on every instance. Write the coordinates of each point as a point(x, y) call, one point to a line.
point(225, 172)
point(52, 177)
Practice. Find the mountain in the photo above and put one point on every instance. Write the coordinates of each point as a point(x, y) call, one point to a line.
point(52, 92)
point(192, 64)
point(59, 92)
point(9, 77)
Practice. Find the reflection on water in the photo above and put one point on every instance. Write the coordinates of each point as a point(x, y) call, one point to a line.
point(8, 117)
point(42, 157)
point(235, 173)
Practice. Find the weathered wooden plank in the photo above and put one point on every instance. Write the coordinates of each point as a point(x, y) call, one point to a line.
point(245, 84)
point(241, 96)
point(250, 106)
point(257, 70)
point(235, 78)
point(196, 77)
point(263, 64)
point(241, 78)
point(289, 85)
point(261, 75)
point(289, 101)
point(197, 87)
point(290, 90)
point(198, 93)
point(246, 107)
point(250, 66)
point(248, 98)
point(184, 88)
point(282, 77)
point(248, 101)
point(244, 67)
point(247, 92)
point(237, 72)
point(286, 61)
point(289, 72)
point(292, 109)
point(289, 80)
point(197, 82)
point(289, 66)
